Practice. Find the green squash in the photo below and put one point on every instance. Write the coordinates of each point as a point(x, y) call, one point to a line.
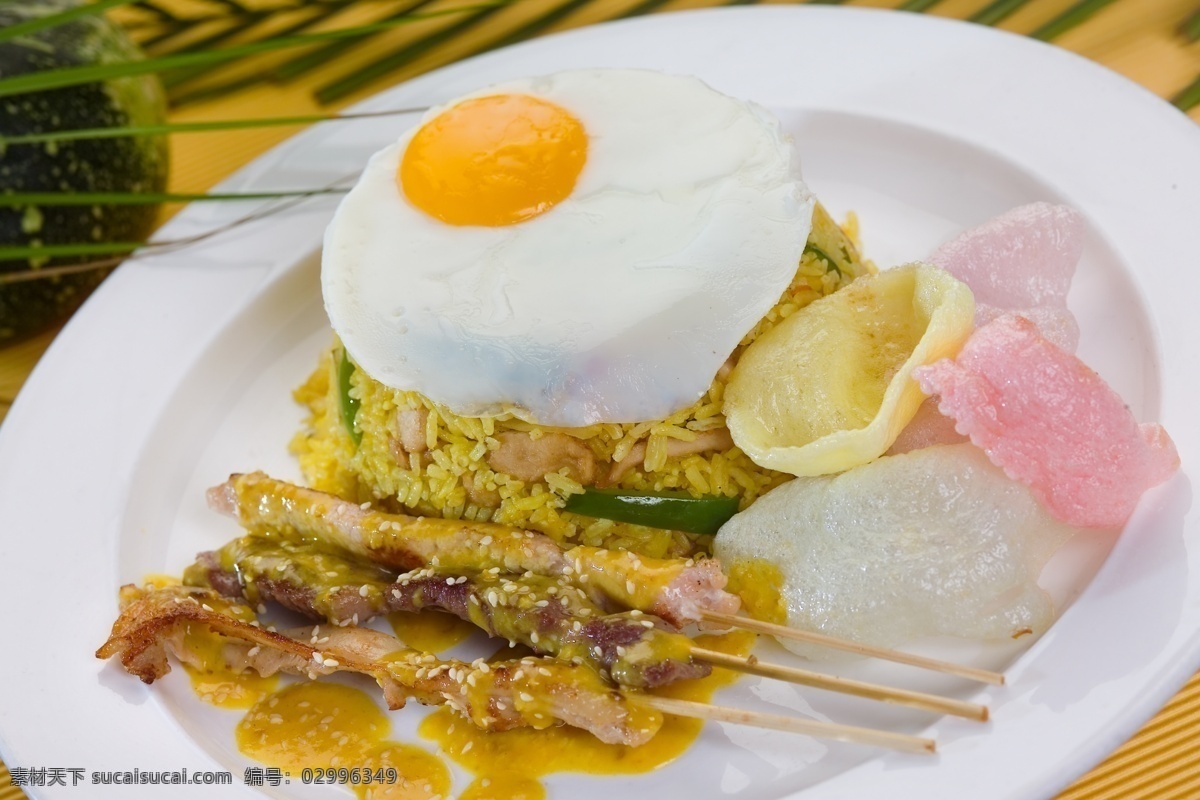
point(129, 164)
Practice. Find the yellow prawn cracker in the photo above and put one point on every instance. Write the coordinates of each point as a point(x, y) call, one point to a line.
point(831, 387)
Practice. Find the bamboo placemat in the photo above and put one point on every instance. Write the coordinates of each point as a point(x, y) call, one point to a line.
point(1138, 38)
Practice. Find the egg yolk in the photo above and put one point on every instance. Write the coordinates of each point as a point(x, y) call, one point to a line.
point(494, 160)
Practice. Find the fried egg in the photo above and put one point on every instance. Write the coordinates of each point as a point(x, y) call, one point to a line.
point(579, 248)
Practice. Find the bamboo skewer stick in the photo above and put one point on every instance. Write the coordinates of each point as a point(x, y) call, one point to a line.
point(871, 651)
point(871, 691)
point(777, 722)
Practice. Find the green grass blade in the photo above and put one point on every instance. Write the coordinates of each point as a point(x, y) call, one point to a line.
point(293, 68)
point(162, 13)
point(918, 5)
point(1191, 28)
point(237, 25)
point(216, 90)
point(324, 11)
point(642, 8)
point(178, 77)
point(337, 89)
point(191, 127)
point(1189, 98)
point(996, 12)
point(15, 252)
point(169, 32)
point(1073, 16)
point(52, 20)
point(73, 76)
point(535, 26)
point(19, 199)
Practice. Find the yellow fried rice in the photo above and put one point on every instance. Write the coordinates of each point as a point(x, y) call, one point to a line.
point(435, 483)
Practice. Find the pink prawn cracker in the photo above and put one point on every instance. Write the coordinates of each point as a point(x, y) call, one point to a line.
point(1050, 422)
point(1023, 262)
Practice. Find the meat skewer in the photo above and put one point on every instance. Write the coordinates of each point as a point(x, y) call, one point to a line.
point(528, 692)
point(153, 623)
point(551, 617)
point(548, 615)
point(677, 590)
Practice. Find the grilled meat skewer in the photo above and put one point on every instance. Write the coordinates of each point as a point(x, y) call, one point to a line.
point(549, 615)
point(677, 590)
point(528, 692)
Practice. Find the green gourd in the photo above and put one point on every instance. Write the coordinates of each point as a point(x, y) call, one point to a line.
point(128, 164)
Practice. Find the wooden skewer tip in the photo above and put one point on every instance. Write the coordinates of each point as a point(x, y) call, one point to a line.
point(872, 651)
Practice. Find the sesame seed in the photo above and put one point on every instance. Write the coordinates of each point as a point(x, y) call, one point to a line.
point(331, 662)
point(467, 746)
point(543, 671)
point(449, 581)
point(533, 637)
point(485, 541)
point(635, 613)
point(526, 697)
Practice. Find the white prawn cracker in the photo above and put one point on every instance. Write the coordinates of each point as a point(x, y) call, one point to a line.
point(934, 542)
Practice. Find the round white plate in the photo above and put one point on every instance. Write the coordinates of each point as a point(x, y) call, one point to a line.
point(178, 372)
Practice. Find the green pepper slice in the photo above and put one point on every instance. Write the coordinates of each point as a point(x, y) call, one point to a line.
point(347, 405)
point(675, 511)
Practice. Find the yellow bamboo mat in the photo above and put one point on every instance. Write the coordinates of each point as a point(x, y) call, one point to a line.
point(1138, 38)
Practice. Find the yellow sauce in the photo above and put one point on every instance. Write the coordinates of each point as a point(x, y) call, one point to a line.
point(226, 689)
point(422, 775)
point(313, 725)
point(523, 754)
point(504, 787)
point(212, 680)
point(429, 631)
point(321, 725)
point(759, 584)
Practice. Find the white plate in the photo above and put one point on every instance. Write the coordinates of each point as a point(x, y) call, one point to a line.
point(178, 372)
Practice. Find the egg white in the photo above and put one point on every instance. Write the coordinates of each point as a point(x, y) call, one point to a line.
point(618, 304)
